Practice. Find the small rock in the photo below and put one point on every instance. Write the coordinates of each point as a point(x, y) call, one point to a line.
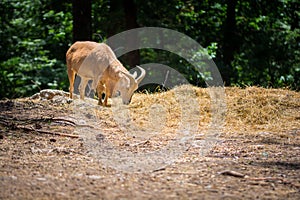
point(100, 137)
point(94, 177)
point(41, 179)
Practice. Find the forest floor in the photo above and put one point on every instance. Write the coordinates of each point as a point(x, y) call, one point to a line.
point(255, 154)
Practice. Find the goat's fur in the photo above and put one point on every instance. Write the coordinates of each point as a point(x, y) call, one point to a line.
point(97, 62)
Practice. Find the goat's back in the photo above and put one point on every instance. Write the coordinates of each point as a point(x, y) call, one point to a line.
point(99, 53)
point(77, 53)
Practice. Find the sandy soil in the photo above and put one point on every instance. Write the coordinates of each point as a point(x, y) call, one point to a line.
point(256, 156)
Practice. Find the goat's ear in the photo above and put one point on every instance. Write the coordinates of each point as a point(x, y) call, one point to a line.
point(129, 79)
point(134, 75)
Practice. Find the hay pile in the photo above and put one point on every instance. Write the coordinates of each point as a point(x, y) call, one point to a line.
point(156, 119)
point(258, 109)
point(153, 120)
point(249, 109)
point(184, 105)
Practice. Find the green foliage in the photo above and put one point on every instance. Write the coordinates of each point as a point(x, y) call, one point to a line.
point(269, 53)
point(35, 35)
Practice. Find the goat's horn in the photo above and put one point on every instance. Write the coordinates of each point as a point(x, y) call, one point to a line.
point(131, 78)
point(143, 74)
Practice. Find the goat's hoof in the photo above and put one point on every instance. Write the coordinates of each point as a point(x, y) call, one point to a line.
point(106, 105)
point(69, 101)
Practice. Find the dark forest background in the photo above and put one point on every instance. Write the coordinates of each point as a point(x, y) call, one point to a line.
point(253, 42)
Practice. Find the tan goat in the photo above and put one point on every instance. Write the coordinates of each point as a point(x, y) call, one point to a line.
point(97, 62)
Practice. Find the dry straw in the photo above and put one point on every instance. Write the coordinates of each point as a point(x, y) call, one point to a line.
point(251, 110)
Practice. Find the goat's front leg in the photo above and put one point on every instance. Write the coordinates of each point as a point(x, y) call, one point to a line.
point(107, 94)
point(82, 87)
point(100, 91)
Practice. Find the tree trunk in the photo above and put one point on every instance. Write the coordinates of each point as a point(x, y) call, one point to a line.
point(116, 13)
point(230, 44)
point(124, 17)
point(131, 58)
point(82, 28)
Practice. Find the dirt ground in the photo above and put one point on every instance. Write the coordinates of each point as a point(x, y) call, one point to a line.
point(255, 156)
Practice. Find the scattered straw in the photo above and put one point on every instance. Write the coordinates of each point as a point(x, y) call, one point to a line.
point(249, 110)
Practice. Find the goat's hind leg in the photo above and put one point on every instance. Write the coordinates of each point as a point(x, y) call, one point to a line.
point(71, 76)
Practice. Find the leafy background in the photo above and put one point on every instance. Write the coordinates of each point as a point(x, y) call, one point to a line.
point(252, 42)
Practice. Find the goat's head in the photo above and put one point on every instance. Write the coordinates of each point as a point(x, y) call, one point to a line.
point(127, 84)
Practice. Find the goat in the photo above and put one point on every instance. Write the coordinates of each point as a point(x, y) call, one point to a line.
point(97, 62)
point(112, 85)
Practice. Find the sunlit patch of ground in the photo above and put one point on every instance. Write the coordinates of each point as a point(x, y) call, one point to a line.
point(43, 156)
